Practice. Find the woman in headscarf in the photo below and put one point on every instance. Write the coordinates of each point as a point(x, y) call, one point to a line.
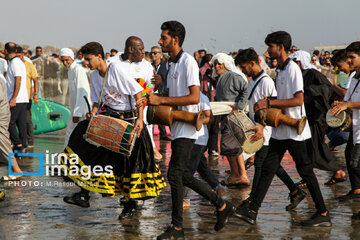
point(231, 86)
point(317, 92)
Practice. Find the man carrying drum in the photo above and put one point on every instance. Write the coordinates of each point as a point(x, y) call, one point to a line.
point(289, 86)
point(232, 86)
point(184, 92)
point(136, 177)
point(352, 101)
point(262, 85)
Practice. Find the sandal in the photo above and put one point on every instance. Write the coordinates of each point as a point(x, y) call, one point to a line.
point(301, 184)
point(237, 183)
point(333, 180)
point(9, 178)
point(248, 164)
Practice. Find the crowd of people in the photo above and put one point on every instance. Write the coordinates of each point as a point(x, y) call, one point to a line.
point(284, 77)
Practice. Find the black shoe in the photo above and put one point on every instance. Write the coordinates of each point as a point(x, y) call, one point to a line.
point(223, 216)
point(2, 196)
point(349, 196)
point(128, 210)
point(245, 214)
point(295, 199)
point(317, 220)
point(356, 216)
point(245, 203)
point(79, 199)
point(171, 233)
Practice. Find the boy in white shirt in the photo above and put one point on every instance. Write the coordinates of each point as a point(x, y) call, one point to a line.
point(290, 98)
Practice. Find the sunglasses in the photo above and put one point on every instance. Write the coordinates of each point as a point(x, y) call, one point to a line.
point(154, 53)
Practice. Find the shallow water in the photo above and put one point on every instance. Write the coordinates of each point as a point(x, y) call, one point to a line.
point(34, 209)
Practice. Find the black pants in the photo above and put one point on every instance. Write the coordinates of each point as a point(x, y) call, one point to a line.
point(29, 124)
point(162, 131)
point(354, 173)
point(180, 176)
point(213, 135)
point(18, 119)
point(297, 149)
point(260, 157)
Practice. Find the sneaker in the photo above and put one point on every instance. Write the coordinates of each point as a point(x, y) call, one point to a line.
point(349, 196)
point(244, 213)
point(318, 220)
point(295, 199)
point(223, 216)
point(171, 233)
point(79, 199)
point(2, 196)
point(128, 210)
point(214, 153)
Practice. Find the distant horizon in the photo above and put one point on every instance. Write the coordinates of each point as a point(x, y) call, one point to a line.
point(217, 26)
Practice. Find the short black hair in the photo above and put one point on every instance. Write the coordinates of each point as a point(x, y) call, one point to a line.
point(10, 47)
point(93, 48)
point(278, 38)
point(175, 29)
point(339, 55)
point(354, 47)
point(246, 56)
point(202, 50)
point(38, 47)
point(316, 52)
point(19, 49)
point(207, 58)
point(114, 50)
point(30, 52)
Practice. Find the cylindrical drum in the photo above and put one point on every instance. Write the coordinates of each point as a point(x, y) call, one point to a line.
point(341, 122)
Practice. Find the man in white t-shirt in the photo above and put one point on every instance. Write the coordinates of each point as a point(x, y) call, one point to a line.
point(290, 98)
point(184, 93)
point(17, 96)
point(78, 89)
point(352, 101)
point(261, 84)
point(133, 60)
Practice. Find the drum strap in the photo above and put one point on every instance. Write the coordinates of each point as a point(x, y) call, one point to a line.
point(354, 89)
point(257, 83)
point(102, 89)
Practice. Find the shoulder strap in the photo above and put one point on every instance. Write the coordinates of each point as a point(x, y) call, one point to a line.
point(102, 89)
point(354, 89)
point(257, 83)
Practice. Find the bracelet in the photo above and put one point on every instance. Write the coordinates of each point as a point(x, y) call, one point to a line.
point(268, 103)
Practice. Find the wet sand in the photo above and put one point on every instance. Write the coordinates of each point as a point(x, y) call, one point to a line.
point(34, 209)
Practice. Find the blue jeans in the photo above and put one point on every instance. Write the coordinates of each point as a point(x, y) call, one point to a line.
point(179, 176)
point(337, 138)
point(260, 157)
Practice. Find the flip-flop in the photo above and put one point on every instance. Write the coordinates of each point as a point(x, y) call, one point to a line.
point(9, 178)
point(248, 164)
point(333, 180)
point(235, 183)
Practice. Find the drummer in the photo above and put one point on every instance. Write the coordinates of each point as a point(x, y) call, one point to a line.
point(184, 92)
point(290, 95)
point(352, 101)
point(262, 85)
point(136, 177)
point(231, 85)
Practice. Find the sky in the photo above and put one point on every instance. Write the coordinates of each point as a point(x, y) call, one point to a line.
point(216, 25)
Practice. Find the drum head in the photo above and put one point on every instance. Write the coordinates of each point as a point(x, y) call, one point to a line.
point(335, 121)
point(250, 146)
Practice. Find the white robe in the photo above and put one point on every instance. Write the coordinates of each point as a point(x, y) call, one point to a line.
point(78, 88)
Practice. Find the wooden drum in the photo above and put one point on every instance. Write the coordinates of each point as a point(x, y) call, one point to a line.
point(341, 122)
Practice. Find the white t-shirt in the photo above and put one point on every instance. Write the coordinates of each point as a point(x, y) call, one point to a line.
point(3, 66)
point(288, 82)
point(349, 81)
point(182, 75)
point(16, 69)
point(265, 87)
point(355, 97)
point(119, 86)
point(203, 133)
